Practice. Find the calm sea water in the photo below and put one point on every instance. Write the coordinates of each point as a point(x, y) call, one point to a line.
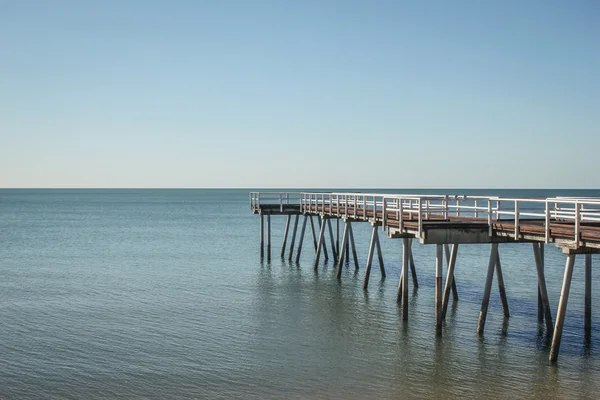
point(162, 294)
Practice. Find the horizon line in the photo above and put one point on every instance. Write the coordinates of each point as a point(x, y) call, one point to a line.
point(281, 188)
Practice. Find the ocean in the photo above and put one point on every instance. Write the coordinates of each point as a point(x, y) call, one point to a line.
point(161, 293)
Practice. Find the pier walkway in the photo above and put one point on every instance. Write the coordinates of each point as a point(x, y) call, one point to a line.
point(447, 221)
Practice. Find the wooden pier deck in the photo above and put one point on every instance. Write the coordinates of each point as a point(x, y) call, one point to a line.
point(573, 224)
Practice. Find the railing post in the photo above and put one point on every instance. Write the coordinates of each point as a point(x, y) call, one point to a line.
point(498, 210)
point(400, 218)
point(335, 198)
point(280, 202)
point(547, 223)
point(458, 207)
point(420, 230)
point(346, 205)
point(577, 223)
point(375, 208)
point(476, 210)
point(383, 214)
point(446, 207)
point(517, 220)
point(489, 217)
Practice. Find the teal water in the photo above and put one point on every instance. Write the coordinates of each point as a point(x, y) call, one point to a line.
point(162, 294)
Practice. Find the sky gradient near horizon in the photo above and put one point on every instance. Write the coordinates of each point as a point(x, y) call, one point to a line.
point(300, 94)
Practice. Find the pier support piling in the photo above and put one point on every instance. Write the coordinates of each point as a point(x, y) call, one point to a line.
point(454, 291)
point(540, 297)
point(449, 279)
point(488, 289)
point(312, 229)
point(333, 251)
point(347, 248)
point(370, 255)
point(321, 224)
point(285, 235)
point(293, 243)
point(538, 253)
point(379, 254)
point(337, 237)
point(501, 288)
point(540, 306)
point(268, 237)
point(354, 255)
point(562, 308)
point(341, 254)
point(320, 244)
point(301, 239)
point(404, 282)
point(587, 326)
point(262, 236)
point(413, 270)
point(439, 262)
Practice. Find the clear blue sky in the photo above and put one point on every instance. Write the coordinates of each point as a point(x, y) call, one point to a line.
point(299, 93)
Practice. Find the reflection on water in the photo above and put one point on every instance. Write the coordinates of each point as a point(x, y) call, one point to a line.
point(363, 344)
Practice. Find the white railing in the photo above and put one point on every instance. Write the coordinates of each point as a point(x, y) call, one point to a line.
point(424, 207)
point(274, 198)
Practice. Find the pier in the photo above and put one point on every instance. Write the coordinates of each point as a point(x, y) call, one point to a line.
point(446, 221)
